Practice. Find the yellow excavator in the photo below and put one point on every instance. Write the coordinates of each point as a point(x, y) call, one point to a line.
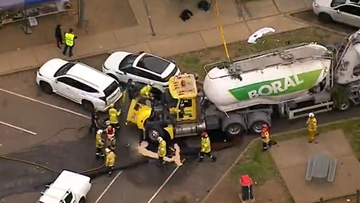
point(178, 114)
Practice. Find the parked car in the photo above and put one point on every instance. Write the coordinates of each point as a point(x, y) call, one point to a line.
point(69, 187)
point(80, 83)
point(342, 11)
point(144, 68)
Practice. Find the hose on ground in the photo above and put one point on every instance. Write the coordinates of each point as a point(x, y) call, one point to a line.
point(46, 167)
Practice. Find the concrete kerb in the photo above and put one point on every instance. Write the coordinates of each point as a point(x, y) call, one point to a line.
point(256, 139)
point(289, 15)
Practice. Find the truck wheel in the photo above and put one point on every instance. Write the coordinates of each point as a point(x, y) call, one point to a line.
point(234, 129)
point(345, 105)
point(256, 127)
point(153, 132)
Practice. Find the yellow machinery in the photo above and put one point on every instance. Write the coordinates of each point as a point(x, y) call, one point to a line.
point(182, 104)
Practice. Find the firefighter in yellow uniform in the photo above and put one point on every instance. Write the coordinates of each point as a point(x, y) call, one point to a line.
point(145, 91)
point(99, 142)
point(206, 147)
point(161, 150)
point(312, 127)
point(110, 161)
point(114, 116)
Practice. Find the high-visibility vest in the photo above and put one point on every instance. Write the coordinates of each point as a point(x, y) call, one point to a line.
point(205, 145)
point(265, 136)
point(69, 39)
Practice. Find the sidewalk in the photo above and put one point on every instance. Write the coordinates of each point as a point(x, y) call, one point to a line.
point(170, 40)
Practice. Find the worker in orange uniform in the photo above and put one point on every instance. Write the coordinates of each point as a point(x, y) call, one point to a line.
point(312, 127)
point(110, 137)
point(206, 147)
point(99, 143)
point(114, 116)
point(161, 150)
point(265, 137)
point(110, 161)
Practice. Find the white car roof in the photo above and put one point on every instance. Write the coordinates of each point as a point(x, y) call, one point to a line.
point(66, 181)
point(90, 75)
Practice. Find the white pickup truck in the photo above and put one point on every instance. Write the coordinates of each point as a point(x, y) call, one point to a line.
point(69, 187)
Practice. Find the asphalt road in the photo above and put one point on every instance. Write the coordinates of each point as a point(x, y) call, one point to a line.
point(26, 107)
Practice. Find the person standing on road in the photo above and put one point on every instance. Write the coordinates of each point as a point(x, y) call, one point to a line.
point(161, 150)
point(69, 42)
point(58, 36)
point(94, 122)
point(206, 147)
point(312, 127)
point(110, 161)
point(99, 142)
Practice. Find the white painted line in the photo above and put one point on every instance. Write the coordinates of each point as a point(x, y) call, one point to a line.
point(18, 128)
point(164, 183)
point(44, 103)
point(108, 187)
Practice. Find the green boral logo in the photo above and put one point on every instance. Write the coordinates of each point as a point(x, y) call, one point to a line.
point(286, 85)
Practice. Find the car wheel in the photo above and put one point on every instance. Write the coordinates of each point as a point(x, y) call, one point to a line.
point(88, 106)
point(45, 87)
point(324, 17)
point(82, 200)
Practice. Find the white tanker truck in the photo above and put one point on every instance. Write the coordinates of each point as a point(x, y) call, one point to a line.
point(245, 94)
point(290, 82)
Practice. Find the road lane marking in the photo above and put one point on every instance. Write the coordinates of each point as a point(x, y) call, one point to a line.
point(108, 187)
point(44, 103)
point(17, 128)
point(164, 183)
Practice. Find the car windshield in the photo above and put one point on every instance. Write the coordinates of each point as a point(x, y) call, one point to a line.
point(167, 78)
point(341, 2)
point(153, 64)
point(64, 69)
point(127, 61)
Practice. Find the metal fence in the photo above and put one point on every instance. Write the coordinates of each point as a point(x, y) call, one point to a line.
point(353, 198)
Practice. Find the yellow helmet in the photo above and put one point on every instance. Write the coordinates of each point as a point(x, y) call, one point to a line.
point(107, 122)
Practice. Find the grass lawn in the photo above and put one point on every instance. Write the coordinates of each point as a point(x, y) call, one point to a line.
point(194, 61)
point(261, 167)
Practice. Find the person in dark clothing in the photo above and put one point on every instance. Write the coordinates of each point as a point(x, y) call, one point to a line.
point(94, 122)
point(58, 36)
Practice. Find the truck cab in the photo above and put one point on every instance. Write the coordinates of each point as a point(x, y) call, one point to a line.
point(180, 110)
point(69, 187)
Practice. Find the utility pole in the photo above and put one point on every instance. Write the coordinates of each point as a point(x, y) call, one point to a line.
point(81, 13)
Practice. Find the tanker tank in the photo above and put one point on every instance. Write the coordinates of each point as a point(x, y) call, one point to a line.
point(269, 78)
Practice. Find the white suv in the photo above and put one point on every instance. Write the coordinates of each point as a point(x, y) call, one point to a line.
point(80, 83)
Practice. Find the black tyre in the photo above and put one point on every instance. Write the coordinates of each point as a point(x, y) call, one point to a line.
point(326, 18)
point(45, 87)
point(256, 127)
point(152, 132)
point(234, 129)
point(345, 105)
point(88, 106)
point(82, 200)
